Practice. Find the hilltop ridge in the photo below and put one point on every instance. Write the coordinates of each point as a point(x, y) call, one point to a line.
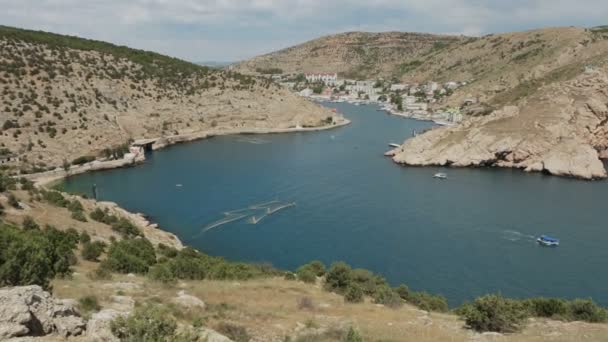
point(64, 98)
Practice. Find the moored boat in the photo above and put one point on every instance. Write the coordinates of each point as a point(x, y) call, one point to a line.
point(548, 241)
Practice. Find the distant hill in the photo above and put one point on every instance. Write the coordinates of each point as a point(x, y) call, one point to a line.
point(353, 54)
point(214, 64)
point(66, 97)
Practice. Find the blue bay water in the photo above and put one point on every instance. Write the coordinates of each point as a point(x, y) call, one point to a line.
point(466, 236)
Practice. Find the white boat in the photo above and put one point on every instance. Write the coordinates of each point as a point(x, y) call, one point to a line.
point(394, 145)
point(440, 175)
point(548, 241)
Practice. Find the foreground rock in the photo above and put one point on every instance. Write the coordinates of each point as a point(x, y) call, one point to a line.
point(31, 311)
point(562, 131)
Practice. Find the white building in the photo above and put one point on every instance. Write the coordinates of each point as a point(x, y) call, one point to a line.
point(327, 78)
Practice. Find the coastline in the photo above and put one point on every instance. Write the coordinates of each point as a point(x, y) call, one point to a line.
point(151, 230)
point(48, 178)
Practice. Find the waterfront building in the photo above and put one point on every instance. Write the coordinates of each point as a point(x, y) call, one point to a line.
point(327, 78)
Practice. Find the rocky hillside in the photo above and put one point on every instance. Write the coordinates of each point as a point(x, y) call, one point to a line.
point(65, 97)
point(541, 104)
point(353, 54)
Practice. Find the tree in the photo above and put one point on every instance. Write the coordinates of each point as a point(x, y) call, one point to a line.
point(495, 313)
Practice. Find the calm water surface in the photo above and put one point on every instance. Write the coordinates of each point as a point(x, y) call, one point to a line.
point(463, 237)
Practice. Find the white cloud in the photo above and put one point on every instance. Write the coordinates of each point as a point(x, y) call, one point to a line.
point(232, 29)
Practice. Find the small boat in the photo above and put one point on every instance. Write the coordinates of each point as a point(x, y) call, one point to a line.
point(545, 240)
point(440, 176)
point(394, 145)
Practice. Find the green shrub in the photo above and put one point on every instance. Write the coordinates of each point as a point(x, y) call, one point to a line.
point(91, 251)
point(30, 224)
point(428, 302)
point(338, 277)
point(317, 267)
point(353, 294)
point(167, 251)
point(386, 296)
point(78, 216)
point(29, 257)
point(74, 206)
point(125, 228)
point(130, 256)
point(368, 281)
point(235, 332)
point(55, 198)
point(84, 237)
point(353, 335)
point(147, 323)
point(100, 273)
point(495, 313)
point(306, 275)
point(88, 304)
point(83, 160)
point(586, 310)
point(13, 201)
point(162, 273)
point(547, 307)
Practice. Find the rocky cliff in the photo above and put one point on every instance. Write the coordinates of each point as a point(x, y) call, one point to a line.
point(561, 130)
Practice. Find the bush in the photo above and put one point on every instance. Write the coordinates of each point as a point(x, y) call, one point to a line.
point(88, 304)
point(162, 273)
point(368, 281)
point(338, 277)
point(84, 237)
point(78, 216)
point(235, 332)
point(353, 294)
point(55, 198)
point(92, 250)
point(317, 267)
point(130, 256)
point(29, 257)
point(495, 313)
point(547, 307)
point(30, 224)
point(167, 251)
point(353, 336)
point(586, 310)
point(13, 201)
point(83, 160)
point(289, 276)
point(306, 275)
point(147, 323)
point(428, 302)
point(125, 228)
point(74, 206)
point(386, 296)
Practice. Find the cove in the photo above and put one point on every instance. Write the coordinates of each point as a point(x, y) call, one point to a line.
point(463, 237)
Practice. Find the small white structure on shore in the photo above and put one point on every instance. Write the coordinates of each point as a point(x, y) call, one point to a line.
point(327, 78)
point(306, 92)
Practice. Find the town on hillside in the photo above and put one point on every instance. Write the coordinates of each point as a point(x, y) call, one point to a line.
point(413, 100)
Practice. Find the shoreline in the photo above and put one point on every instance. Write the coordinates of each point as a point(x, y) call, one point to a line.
point(48, 178)
point(151, 230)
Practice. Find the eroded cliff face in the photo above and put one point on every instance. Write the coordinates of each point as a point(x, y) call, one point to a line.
point(561, 130)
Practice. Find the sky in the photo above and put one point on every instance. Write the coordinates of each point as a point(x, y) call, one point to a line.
point(232, 30)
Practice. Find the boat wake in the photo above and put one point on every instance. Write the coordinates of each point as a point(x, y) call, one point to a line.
point(255, 141)
point(253, 213)
point(514, 236)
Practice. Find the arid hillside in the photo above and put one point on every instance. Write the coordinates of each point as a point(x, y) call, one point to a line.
point(62, 98)
point(353, 54)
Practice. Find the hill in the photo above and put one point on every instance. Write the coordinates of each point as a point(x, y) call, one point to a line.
point(65, 97)
point(538, 99)
point(353, 54)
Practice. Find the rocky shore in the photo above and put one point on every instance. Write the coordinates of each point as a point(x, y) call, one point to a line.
point(562, 131)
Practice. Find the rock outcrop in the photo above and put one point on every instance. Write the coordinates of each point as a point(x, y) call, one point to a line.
point(98, 326)
point(31, 311)
point(562, 130)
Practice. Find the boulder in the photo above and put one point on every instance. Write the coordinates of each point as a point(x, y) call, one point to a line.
point(31, 311)
point(98, 327)
point(209, 335)
point(188, 301)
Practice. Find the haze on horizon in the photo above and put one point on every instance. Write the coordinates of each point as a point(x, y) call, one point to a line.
point(232, 30)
